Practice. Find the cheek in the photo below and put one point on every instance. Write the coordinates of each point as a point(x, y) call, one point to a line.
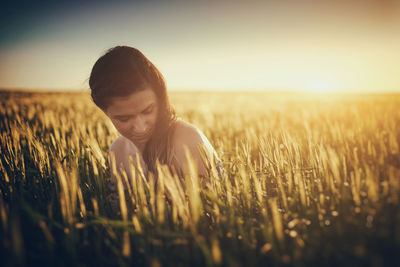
point(121, 127)
point(155, 116)
point(153, 119)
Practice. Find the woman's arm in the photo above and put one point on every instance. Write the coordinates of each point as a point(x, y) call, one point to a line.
point(123, 149)
point(120, 152)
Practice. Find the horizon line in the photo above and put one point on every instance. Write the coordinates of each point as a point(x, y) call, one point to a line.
point(219, 90)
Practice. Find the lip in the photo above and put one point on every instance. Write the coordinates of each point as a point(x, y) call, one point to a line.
point(141, 140)
point(142, 137)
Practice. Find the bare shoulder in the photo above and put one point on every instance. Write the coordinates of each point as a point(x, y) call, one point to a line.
point(120, 149)
point(123, 149)
point(188, 135)
point(122, 144)
point(118, 144)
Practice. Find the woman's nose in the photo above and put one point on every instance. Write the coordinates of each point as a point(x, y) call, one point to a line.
point(139, 125)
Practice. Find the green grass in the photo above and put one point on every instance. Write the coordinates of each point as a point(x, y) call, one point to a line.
point(310, 180)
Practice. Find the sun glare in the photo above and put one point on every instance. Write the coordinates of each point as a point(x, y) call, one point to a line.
point(323, 86)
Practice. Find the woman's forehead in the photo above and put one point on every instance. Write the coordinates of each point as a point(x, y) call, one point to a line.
point(134, 102)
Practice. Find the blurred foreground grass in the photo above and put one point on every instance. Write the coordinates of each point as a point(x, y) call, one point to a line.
point(309, 180)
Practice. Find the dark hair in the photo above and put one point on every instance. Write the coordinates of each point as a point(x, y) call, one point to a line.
point(124, 70)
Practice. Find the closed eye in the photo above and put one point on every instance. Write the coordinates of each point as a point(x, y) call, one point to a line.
point(148, 110)
point(123, 119)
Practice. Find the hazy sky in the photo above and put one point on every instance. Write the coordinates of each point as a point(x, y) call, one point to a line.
point(287, 45)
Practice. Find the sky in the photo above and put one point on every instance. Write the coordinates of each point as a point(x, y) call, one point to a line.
point(304, 45)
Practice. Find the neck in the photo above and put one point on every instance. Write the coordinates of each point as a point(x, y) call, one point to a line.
point(141, 147)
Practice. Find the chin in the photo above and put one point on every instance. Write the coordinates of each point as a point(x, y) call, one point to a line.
point(139, 141)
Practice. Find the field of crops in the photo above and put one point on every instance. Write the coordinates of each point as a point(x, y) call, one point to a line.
point(310, 180)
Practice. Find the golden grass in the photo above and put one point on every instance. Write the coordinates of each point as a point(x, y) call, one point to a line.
point(301, 170)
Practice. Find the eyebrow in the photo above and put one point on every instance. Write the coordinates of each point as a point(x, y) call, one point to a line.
point(126, 115)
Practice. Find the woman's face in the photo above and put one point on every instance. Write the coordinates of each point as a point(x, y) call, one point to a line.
point(135, 115)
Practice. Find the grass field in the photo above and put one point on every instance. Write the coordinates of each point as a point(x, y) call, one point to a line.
point(311, 180)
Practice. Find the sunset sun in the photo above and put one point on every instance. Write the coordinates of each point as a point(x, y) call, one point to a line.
point(323, 85)
point(200, 133)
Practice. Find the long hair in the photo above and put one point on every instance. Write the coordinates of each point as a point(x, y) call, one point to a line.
point(124, 70)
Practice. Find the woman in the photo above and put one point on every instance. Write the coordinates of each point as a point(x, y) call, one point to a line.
point(130, 90)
